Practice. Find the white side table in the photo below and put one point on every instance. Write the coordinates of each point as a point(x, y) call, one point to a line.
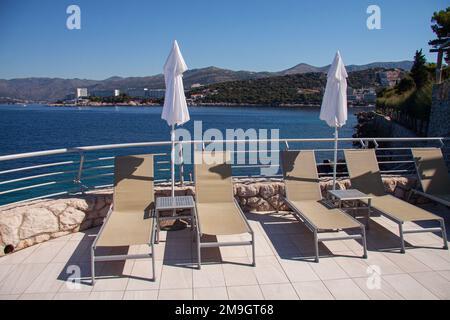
point(352, 199)
point(175, 203)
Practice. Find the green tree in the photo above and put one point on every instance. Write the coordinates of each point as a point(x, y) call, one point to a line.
point(419, 70)
point(406, 84)
point(441, 27)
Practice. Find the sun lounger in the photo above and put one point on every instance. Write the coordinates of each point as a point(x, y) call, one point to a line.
point(130, 220)
point(433, 174)
point(304, 197)
point(217, 212)
point(365, 176)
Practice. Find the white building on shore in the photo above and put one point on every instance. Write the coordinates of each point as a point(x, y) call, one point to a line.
point(82, 93)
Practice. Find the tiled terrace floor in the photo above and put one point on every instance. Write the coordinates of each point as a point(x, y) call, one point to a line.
point(282, 270)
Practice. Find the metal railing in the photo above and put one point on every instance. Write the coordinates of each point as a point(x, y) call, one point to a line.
point(87, 170)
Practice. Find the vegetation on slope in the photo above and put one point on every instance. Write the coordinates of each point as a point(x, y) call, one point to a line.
point(304, 88)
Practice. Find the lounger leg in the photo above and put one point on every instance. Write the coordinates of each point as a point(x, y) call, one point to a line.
point(93, 265)
point(153, 262)
point(157, 226)
point(363, 230)
point(402, 240)
point(369, 207)
point(444, 234)
point(199, 257)
point(253, 250)
point(316, 244)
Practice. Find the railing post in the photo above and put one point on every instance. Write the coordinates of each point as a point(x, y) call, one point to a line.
point(77, 179)
point(181, 165)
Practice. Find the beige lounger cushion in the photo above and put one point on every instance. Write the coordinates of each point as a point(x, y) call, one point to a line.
point(401, 210)
point(300, 175)
point(221, 218)
point(303, 192)
point(130, 222)
point(213, 181)
point(364, 172)
point(365, 176)
point(216, 208)
point(324, 218)
point(126, 229)
point(432, 171)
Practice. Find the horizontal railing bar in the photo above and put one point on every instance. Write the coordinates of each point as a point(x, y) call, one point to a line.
point(99, 159)
point(98, 176)
point(46, 165)
point(97, 168)
point(37, 176)
point(168, 143)
point(112, 158)
point(34, 186)
point(103, 186)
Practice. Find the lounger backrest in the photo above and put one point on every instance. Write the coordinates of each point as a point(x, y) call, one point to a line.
point(133, 183)
point(364, 171)
point(213, 177)
point(432, 170)
point(300, 175)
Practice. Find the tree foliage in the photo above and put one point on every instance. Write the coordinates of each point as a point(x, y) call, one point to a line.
point(441, 27)
point(419, 70)
point(306, 88)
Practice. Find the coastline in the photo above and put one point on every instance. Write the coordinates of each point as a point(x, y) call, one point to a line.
point(224, 104)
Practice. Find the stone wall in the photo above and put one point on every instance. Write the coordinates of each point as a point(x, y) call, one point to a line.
point(439, 124)
point(26, 224)
point(386, 127)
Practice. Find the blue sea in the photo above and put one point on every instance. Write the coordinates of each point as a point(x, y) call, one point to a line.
point(38, 127)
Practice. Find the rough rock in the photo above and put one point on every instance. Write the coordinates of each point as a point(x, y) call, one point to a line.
point(86, 224)
point(266, 191)
point(41, 238)
point(10, 222)
point(59, 234)
point(58, 207)
point(71, 218)
point(103, 212)
point(100, 203)
point(37, 221)
point(246, 191)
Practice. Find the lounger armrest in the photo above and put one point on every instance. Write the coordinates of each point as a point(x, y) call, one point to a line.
point(110, 210)
point(243, 215)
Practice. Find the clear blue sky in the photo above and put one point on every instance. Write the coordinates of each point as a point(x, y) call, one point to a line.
point(133, 37)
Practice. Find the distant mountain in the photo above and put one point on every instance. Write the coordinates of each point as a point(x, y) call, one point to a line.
point(306, 68)
point(302, 68)
point(52, 89)
point(405, 65)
